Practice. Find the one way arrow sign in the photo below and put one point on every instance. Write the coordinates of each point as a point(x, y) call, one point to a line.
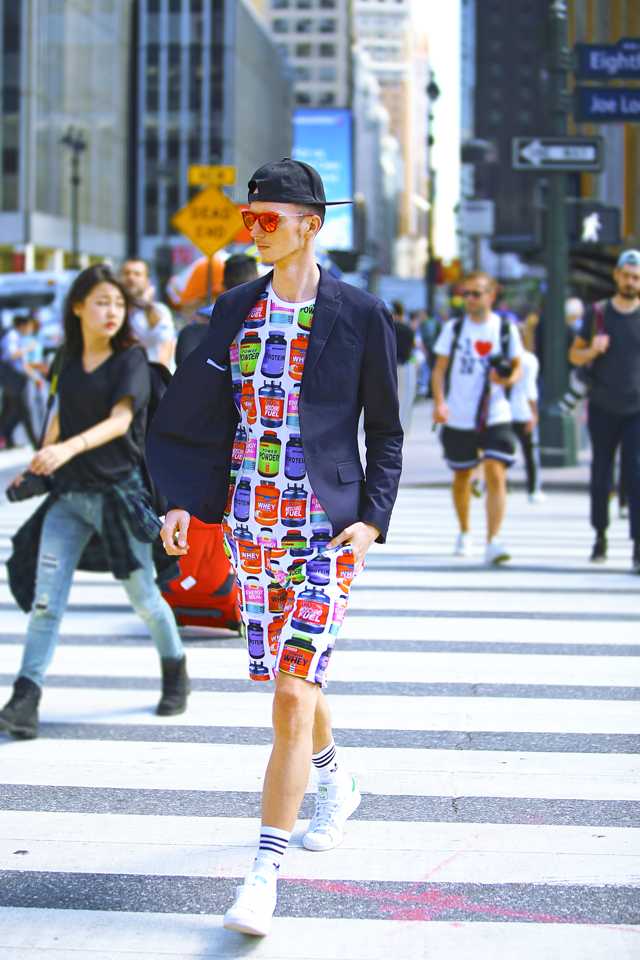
point(574, 154)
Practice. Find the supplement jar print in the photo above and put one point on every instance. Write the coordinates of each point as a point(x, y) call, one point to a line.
point(269, 454)
point(250, 347)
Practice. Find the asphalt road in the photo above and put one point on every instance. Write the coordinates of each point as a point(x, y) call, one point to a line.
point(490, 716)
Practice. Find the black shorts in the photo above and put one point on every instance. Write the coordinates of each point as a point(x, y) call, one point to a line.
point(464, 449)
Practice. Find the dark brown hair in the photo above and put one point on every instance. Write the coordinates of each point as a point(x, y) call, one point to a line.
point(80, 289)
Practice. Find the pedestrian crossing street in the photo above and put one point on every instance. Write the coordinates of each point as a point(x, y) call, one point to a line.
point(491, 718)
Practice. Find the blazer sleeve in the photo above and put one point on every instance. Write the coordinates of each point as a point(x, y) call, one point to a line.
point(383, 433)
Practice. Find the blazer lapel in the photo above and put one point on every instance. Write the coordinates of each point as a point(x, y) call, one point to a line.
point(325, 312)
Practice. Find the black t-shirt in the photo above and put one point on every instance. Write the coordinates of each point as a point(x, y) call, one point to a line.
point(85, 399)
point(404, 341)
point(616, 372)
point(189, 338)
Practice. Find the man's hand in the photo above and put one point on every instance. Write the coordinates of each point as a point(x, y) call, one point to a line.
point(174, 532)
point(359, 536)
point(441, 412)
point(600, 344)
point(530, 425)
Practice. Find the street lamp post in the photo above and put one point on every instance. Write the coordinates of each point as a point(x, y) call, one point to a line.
point(433, 92)
point(74, 140)
point(557, 432)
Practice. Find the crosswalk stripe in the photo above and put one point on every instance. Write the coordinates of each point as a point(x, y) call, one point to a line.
point(210, 766)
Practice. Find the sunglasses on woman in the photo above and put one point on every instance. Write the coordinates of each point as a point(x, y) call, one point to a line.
point(268, 221)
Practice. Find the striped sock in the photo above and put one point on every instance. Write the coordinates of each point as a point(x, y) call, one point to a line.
point(273, 844)
point(326, 763)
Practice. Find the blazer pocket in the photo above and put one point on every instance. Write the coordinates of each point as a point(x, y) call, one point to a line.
point(216, 365)
point(350, 472)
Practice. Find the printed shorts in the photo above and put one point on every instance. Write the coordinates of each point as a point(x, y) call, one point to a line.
point(464, 449)
point(291, 616)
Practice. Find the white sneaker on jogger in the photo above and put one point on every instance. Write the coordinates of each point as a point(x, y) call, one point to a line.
point(464, 545)
point(255, 903)
point(335, 802)
point(496, 552)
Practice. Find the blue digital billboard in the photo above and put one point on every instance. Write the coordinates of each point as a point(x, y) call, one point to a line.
point(322, 138)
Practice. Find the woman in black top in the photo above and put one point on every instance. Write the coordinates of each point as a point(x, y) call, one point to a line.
point(98, 508)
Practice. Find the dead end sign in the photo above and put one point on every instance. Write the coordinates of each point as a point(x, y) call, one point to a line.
point(210, 220)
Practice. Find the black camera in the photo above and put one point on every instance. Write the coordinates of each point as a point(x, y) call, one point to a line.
point(501, 366)
point(31, 485)
point(580, 384)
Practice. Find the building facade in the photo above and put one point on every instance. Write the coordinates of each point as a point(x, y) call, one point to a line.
point(398, 57)
point(63, 65)
point(314, 36)
point(211, 89)
point(509, 100)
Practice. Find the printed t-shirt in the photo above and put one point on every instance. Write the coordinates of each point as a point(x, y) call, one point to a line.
point(616, 372)
point(476, 343)
point(85, 399)
point(272, 498)
point(525, 389)
point(293, 591)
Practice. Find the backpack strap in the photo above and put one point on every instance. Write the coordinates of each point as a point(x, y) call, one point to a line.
point(457, 330)
point(598, 317)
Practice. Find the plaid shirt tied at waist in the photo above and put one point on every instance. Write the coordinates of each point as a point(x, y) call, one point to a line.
point(126, 508)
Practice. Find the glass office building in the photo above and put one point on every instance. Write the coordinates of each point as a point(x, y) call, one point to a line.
point(64, 64)
point(212, 89)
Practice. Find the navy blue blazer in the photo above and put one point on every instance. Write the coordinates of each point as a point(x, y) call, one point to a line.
point(350, 365)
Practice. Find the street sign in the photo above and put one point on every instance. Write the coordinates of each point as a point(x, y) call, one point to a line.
point(199, 176)
point(592, 224)
point(477, 217)
point(607, 104)
point(210, 220)
point(608, 61)
point(574, 154)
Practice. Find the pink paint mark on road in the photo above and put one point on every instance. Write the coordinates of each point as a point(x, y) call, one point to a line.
point(430, 904)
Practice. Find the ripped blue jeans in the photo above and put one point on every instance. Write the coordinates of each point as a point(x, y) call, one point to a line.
point(68, 526)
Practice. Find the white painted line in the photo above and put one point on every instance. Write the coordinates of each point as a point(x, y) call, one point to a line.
point(394, 772)
point(102, 935)
point(346, 665)
point(499, 714)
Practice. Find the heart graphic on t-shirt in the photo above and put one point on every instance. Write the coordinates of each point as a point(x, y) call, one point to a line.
point(483, 347)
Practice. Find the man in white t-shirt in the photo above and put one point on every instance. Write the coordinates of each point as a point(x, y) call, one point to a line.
point(470, 394)
point(524, 413)
point(152, 323)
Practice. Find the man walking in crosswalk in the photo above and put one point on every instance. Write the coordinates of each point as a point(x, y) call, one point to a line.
point(295, 356)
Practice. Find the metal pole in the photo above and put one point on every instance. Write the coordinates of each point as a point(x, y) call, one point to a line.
point(75, 211)
point(557, 432)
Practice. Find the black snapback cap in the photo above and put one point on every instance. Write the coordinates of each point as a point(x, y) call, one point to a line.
point(289, 181)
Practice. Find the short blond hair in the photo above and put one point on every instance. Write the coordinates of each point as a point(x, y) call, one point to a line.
point(492, 283)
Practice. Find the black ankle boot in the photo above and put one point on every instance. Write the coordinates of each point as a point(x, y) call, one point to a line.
point(175, 688)
point(20, 715)
point(599, 552)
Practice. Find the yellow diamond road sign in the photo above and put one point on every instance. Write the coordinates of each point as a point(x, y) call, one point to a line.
point(210, 220)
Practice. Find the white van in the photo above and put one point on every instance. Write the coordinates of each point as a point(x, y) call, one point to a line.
point(40, 291)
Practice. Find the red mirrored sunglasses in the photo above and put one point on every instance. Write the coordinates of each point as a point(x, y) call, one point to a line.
point(268, 221)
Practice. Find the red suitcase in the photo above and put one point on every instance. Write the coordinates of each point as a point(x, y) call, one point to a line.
point(205, 593)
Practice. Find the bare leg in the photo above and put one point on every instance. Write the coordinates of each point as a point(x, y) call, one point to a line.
point(285, 782)
point(322, 735)
point(496, 480)
point(461, 491)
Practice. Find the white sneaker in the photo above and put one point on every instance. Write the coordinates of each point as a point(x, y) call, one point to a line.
point(496, 552)
point(335, 802)
point(464, 545)
point(537, 497)
point(255, 903)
